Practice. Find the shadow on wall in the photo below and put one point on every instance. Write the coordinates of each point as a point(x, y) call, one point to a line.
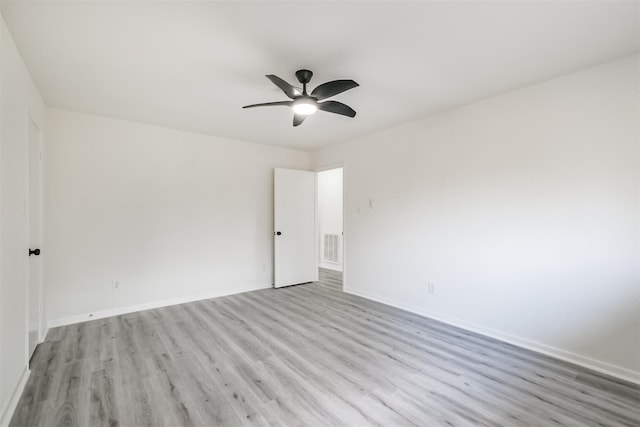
point(607, 335)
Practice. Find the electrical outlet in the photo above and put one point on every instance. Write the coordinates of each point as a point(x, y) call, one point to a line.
point(371, 203)
point(115, 285)
point(431, 288)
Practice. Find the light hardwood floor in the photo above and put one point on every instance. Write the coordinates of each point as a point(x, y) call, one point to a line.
point(304, 355)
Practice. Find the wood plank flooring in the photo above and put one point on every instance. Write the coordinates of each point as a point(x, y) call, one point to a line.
point(304, 355)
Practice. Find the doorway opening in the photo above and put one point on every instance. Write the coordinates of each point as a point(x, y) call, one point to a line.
point(330, 227)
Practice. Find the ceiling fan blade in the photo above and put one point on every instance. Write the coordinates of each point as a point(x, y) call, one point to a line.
point(267, 104)
point(298, 119)
point(337, 107)
point(288, 90)
point(332, 88)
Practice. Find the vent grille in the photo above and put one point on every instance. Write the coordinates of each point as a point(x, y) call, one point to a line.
point(330, 253)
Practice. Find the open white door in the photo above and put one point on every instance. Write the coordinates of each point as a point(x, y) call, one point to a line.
point(294, 227)
point(35, 279)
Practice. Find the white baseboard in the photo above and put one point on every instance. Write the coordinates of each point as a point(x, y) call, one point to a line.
point(70, 320)
point(7, 411)
point(334, 267)
point(577, 359)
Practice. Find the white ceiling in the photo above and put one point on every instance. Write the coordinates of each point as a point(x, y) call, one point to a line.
point(192, 65)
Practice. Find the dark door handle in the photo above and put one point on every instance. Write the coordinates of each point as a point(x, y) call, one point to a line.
point(35, 252)
point(278, 233)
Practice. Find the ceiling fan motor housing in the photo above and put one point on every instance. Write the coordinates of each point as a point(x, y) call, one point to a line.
point(304, 76)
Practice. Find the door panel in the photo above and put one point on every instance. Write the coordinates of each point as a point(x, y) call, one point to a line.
point(35, 289)
point(294, 219)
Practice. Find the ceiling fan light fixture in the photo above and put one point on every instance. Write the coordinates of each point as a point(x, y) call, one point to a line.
point(305, 106)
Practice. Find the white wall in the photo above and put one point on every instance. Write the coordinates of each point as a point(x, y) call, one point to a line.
point(19, 99)
point(521, 209)
point(330, 212)
point(173, 216)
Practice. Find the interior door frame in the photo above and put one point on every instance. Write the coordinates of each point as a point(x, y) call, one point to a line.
point(344, 222)
point(40, 313)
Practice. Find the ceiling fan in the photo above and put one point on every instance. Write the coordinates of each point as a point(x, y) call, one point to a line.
point(305, 104)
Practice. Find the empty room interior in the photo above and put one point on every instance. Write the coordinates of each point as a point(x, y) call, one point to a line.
point(314, 213)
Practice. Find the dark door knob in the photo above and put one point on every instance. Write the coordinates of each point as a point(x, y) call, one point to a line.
point(278, 233)
point(35, 252)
